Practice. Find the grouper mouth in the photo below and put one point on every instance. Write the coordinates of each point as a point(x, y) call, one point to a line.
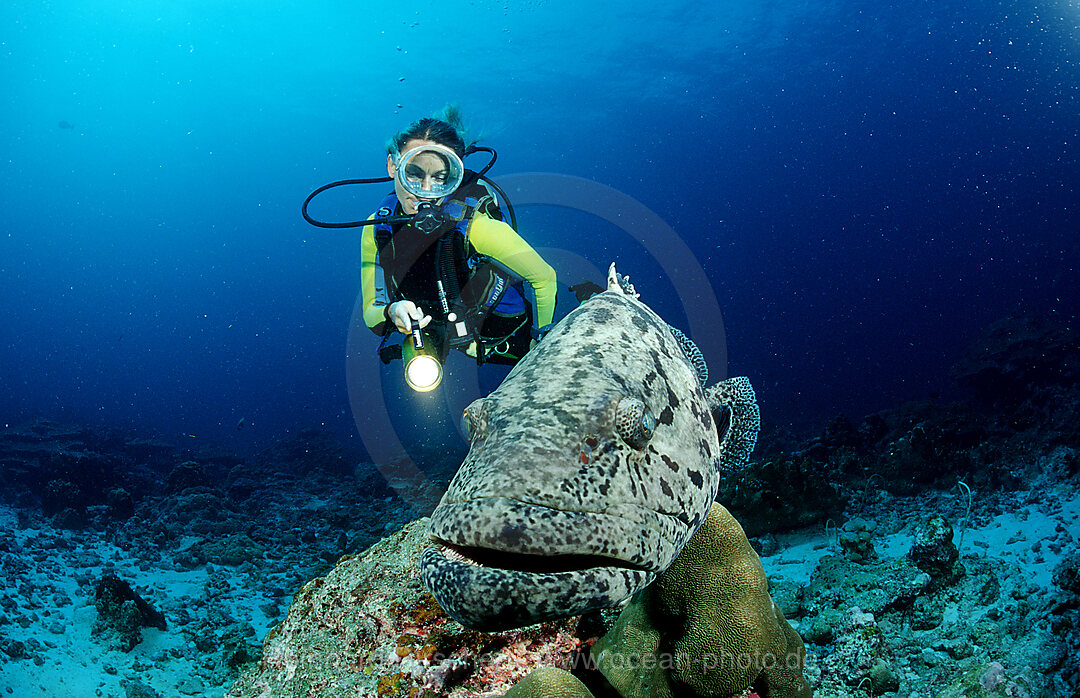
point(526, 562)
point(492, 599)
point(497, 564)
point(508, 533)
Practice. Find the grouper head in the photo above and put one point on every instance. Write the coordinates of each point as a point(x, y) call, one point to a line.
point(589, 468)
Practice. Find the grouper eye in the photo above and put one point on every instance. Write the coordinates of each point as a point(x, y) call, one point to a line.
point(648, 423)
point(634, 422)
point(473, 420)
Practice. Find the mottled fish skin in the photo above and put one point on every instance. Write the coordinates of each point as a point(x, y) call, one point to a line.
point(491, 599)
point(564, 498)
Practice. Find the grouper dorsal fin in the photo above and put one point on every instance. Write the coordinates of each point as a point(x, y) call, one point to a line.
point(619, 283)
point(738, 420)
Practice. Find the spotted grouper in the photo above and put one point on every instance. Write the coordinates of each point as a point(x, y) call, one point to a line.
point(588, 470)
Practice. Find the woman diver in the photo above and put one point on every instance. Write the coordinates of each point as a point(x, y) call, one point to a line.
point(443, 260)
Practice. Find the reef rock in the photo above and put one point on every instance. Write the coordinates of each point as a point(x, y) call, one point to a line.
point(368, 628)
point(122, 614)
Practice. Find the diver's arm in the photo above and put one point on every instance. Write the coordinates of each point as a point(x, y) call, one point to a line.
point(502, 243)
point(372, 283)
point(379, 308)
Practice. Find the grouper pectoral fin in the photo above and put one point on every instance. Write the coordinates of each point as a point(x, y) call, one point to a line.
point(738, 420)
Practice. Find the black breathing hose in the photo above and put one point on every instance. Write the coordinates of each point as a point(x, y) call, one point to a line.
point(481, 175)
point(331, 185)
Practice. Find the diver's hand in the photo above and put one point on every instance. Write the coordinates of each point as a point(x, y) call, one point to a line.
point(404, 313)
point(586, 290)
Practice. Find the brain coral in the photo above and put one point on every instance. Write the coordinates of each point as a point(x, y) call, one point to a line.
point(707, 627)
point(549, 682)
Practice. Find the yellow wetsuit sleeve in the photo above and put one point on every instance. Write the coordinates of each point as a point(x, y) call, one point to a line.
point(372, 282)
point(502, 243)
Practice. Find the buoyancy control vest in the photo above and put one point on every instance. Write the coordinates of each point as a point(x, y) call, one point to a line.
point(441, 272)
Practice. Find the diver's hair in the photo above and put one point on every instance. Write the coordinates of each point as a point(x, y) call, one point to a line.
point(445, 128)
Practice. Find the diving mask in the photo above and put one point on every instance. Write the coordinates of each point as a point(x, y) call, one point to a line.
point(429, 171)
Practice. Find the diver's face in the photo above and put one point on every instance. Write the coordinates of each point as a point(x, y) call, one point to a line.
point(426, 168)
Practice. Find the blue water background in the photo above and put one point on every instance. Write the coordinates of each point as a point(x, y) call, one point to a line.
point(867, 185)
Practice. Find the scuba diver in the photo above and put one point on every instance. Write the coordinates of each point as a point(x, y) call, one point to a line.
point(472, 262)
point(438, 261)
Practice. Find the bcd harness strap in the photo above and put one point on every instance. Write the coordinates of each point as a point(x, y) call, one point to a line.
point(487, 280)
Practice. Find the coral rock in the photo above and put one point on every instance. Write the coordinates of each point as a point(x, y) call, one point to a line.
point(368, 628)
point(933, 550)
